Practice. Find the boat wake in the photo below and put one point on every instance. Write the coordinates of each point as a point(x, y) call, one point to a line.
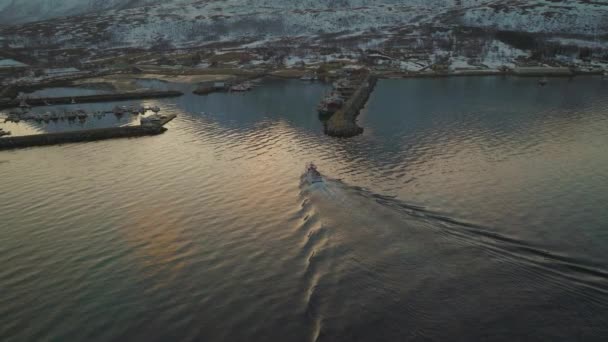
point(366, 252)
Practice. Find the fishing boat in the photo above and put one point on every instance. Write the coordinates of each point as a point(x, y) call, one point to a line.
point(308, 77)
point(14, 117)
point(118, 111)
point(312, 175)
point(246, 86)
point(543, 82)
point(24, 105)
point(152, 120)
point(330, 104)
point(70, 115)
point(133, 110)
point(29, 116)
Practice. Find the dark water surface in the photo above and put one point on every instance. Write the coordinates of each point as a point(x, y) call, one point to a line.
point(470, 209)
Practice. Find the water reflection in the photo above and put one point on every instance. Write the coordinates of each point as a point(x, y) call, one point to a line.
point(205, 233)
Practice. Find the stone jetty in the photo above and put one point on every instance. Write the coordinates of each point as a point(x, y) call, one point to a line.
point(13, 142)
point(343, 122)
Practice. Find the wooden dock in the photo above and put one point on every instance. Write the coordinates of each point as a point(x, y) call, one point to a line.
point(46, 139)
point(92, 98)
point(343, 122)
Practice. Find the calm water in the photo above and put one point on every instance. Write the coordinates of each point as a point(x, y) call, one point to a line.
point(471, 208)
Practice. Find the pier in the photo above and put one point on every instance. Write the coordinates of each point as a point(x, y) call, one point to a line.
point(91, 98)
point(87, 135)
point(343, 122)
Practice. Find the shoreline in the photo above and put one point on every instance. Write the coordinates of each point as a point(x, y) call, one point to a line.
point(197, 76)
point(343, 123)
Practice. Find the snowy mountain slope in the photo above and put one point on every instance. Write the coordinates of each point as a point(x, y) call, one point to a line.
point(21, 11)
point(554, 16)
point(181, 23)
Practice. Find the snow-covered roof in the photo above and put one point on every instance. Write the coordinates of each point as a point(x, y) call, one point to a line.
point(62, 70)
point(11, 63)
point(379, 55)
point(353, 67)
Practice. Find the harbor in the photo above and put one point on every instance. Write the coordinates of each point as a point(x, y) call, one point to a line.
point(73, 115)
point(66, 121)
point(338, 109)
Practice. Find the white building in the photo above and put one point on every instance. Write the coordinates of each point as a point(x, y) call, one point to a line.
point(62, 72)
point(11, 63)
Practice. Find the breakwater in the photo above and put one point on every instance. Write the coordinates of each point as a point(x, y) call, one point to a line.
point(343, 122)
point(84, 135)
point(92, 98)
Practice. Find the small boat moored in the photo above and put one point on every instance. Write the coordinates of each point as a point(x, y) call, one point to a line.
point(152, 120)
point(81, 114)
point(70, 115)
point(246, 86)
point(309, 77)
point(330, 104)
point(118, 111)
point(3, 132)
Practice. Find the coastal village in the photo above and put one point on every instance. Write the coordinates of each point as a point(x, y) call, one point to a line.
point(237, 69)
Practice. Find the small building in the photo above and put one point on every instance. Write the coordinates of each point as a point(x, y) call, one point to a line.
point(135, 70)
point(62, 72)
point(354, 69)
point(11, 63)
point(220, 86)
point(11, 68)
point(378, 59)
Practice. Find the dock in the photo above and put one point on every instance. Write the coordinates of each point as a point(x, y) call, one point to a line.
point(46, 139)
point(92, 98)
point(343, 122)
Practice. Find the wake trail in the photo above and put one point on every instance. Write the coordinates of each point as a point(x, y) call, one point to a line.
point(337, 201)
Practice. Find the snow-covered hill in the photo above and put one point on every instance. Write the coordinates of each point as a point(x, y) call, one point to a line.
point(21, 11)
point(183, 23)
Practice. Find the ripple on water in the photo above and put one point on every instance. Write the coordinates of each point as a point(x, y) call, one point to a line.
point(204, 232)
